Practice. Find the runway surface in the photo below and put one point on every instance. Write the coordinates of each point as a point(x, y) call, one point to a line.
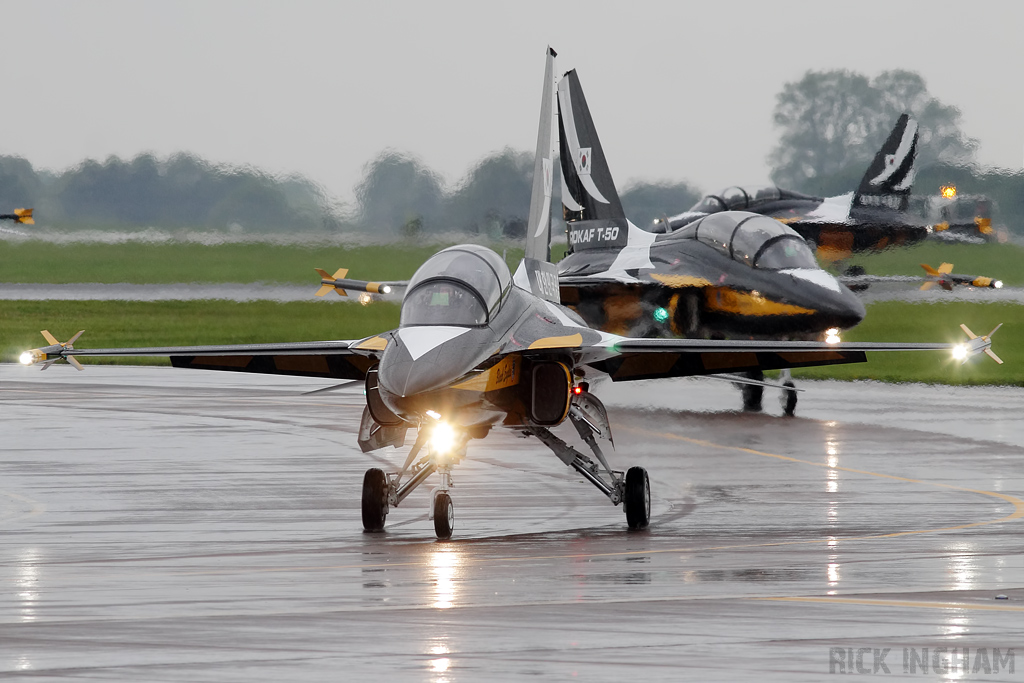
point(175, 525)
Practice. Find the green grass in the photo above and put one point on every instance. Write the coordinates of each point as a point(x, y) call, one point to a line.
point(1000, 261)
point(893, 321)
point(174, 323)
point(137, 262)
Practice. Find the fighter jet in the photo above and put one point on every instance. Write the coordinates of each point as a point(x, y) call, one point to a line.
point(725, 274)
point(872, 218)
point(480, 349)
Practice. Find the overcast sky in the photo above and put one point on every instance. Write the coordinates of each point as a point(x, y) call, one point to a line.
point(679, 90)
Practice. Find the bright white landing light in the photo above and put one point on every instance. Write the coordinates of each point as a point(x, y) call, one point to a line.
point(25, 358)
point(832, 335)
point(442, 438)
point(997, 284)
point(960, 352)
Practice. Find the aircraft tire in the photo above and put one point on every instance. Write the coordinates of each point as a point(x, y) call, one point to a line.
point(444, 516)
point(752, 394)
point(375, 498)
point(637, 498)
point(788, 399)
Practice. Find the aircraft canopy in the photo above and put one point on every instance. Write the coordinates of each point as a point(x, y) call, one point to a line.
point(758, 241)
point(738, 198)
point(461, 285)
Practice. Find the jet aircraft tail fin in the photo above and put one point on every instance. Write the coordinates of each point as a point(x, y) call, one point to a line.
point(538, 232)
point(590, 203)
point(889, 178)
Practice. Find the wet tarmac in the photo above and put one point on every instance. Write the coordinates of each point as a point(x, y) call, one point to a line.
point(93, 291)
point(175, 525)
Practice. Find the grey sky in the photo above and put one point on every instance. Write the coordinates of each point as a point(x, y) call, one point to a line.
point(678, 90)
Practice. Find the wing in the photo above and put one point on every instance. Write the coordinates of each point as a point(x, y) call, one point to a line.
point(341, 359)
point(636, 359)
point(628, 358)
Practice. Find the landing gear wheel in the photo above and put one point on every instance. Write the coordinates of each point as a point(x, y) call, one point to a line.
point(444, 516)
point(752, 393)
point(375, 499)
point(788, 399)
point(637, 498)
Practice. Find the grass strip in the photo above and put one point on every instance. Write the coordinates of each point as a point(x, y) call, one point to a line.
point(142, 263)
point(181, 323)
point(896, 321)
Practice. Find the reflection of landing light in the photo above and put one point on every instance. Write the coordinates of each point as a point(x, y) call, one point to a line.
point(961, 567)
point(28, 583)
point(833, 572)
point(832, 474)
point(444, 565)
point(832, 569)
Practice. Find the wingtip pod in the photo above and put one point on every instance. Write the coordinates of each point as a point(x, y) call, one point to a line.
point(976, 345)
point(48, 355)
point(339, 284)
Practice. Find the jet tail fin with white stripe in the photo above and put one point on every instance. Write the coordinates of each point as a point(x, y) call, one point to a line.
point(890, 177)
point(590, 203)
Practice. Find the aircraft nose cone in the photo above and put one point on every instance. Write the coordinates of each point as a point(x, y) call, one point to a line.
point(426, 358)
point(407, 377)
point(847, 309)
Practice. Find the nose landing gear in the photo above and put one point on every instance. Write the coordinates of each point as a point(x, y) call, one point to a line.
point(381, 491)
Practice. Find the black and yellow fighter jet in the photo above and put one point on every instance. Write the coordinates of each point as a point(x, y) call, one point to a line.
point(478, 349)
point(872, 218)
point(728, 274)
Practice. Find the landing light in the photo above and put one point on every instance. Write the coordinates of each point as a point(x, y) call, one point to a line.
point(385, 289)
point(660, 314)
point(960, 352)
point(832, 335)
point(26, 358)
point(997, 284)
point(442, 438)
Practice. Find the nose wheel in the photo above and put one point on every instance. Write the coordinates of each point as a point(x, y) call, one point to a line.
point(444, 516)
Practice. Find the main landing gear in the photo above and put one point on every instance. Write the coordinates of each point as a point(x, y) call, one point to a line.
point(633, 490)
point(753, 394)
point(787, 399)
point(382, 491)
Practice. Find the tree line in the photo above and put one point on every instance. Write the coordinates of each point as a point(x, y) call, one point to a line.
point(830, 125)
point(398, 196)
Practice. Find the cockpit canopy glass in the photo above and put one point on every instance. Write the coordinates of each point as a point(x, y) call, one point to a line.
point(463, 285)
point(738, 199)
point(753, 239)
